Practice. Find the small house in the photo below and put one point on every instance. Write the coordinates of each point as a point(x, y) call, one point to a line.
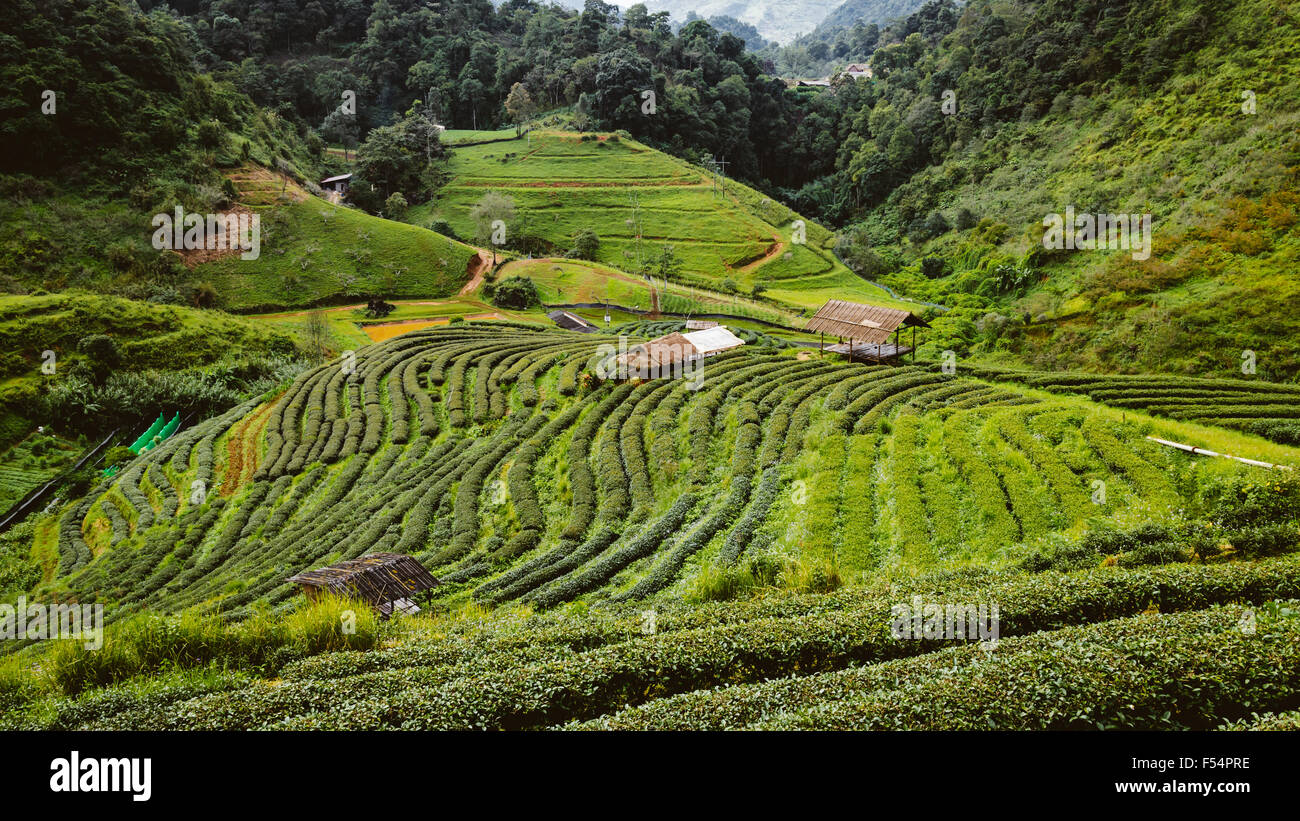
point(671, 354)
point(387, 581)
point(858, 71)
point(336, 187)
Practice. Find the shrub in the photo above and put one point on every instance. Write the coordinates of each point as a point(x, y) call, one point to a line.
point(934, 267)
point(515, 293)
point(585, 245)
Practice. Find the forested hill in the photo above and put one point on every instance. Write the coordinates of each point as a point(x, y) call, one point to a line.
point(93, 91)
point(776, 20)
point(1179, 109)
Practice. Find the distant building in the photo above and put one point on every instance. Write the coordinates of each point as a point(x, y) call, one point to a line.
point(571, 322)
point(856, 70)
point(337, 184)
point(336, 187)
point(700, 324)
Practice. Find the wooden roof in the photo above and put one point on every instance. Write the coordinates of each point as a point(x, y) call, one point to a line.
point(378, 578)
point(853, 320)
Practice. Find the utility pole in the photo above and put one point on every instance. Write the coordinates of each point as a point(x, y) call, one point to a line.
point(716, 169)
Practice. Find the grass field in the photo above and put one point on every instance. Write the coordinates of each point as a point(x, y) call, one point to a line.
point(561, 281)
point(315, 252)
point(457, 136)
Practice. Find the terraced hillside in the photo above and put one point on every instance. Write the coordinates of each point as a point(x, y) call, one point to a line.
point(562, 183)
point(673, 554)
point(1271, 410)
point(486, 451)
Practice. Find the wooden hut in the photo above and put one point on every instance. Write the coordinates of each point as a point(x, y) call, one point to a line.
point(867, 329)
point(667, 355)
point(387, 581)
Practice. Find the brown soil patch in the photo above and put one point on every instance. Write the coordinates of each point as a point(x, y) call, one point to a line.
point(477, 266)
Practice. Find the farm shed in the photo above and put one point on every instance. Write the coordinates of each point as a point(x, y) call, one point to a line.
point(388, 581)
point(867, 329)
point(337, 184)
point(571, 322)
point(659, 357)
point(712, 341)
point(700, 324)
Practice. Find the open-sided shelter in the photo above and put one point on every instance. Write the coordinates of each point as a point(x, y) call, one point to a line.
point(867, 329)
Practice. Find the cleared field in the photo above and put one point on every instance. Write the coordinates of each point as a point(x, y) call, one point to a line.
point(380, 331)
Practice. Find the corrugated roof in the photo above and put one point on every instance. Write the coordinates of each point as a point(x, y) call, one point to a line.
point(713, 340)
point(665, 350)
point(700, 324)
point(336, 179)
point(571, 322)
point(674, 348)
point(853, 320)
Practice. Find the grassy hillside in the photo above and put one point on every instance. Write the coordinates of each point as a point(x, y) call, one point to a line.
point(85, 396)
point(563, 281)
point(316, 252)
point(145, 335)
point(562, 183)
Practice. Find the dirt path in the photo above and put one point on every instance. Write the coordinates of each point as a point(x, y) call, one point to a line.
point(477, 271)
point(777, 249)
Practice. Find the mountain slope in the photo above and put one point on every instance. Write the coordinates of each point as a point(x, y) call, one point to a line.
point(475, 450)
point(776, 21)
point(562, 183)
point(1179, 110)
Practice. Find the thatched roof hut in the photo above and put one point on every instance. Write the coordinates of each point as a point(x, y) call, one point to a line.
point(867, 329)
point(387, 581)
